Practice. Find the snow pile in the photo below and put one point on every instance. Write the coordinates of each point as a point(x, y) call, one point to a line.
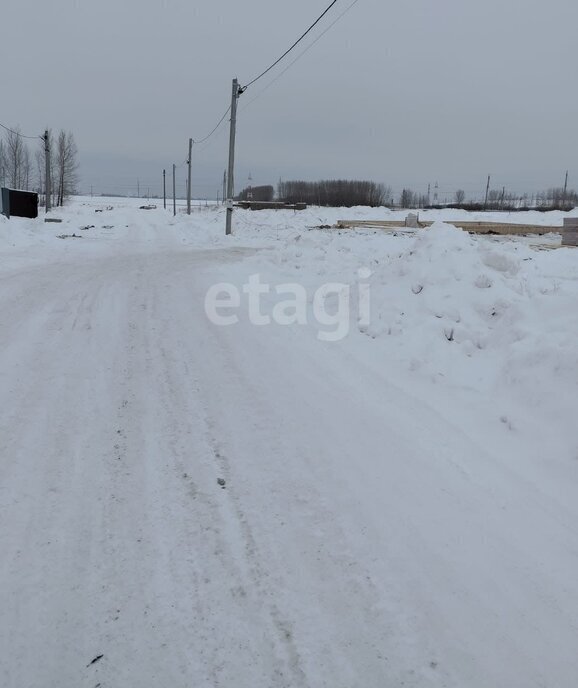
point(4, 230)
point(482, 315)
point(446, 288)
point(494, 319)
point(16, 232)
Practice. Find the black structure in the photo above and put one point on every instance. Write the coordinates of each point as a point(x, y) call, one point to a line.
point(18, 203)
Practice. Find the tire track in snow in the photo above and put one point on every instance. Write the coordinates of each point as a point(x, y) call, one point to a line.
point(232, 540)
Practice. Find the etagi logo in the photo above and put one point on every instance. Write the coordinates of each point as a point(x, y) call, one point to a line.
point(331, 309)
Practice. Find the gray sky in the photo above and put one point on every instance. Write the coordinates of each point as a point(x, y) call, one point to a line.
point(404, 93)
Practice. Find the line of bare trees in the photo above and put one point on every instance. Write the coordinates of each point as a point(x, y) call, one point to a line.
point(263, 194)
point(334, 193)
point(497, 199)
point(20, 170)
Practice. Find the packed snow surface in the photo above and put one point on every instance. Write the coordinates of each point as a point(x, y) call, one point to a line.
point(361, 499)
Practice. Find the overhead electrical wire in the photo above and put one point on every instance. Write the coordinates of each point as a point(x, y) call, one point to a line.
point(272, 66)
point(17, 133)
point(297, 42)
point(307, 49)
point(241, 90)
point(208, 144)
point(292, 47)
point(208, 136)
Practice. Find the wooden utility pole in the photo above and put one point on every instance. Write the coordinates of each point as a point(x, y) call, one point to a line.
point(231, 172)
point(189, 178)
point(47, 184)
point(174, 189)
point(165, 189)
point(487, 192)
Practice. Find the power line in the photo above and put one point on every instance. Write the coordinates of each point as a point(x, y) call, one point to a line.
point(17, 133)
point(241, 90)
point(291, 48)
point(197, 141)
point(301, 54)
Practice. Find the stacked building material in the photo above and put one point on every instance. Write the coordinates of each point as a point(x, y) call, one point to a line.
point(570, 232)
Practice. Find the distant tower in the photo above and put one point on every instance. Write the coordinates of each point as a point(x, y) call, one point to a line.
point(436, 187)
point(250, 188)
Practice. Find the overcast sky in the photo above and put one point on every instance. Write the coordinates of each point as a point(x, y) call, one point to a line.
point(405, 92)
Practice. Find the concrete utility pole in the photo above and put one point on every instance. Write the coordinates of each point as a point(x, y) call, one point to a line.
point(487, 192)
point(47, 184)
point(174, 189)
point(165, 189)
point(189, 180)
point(565, 189)
point(231, 173)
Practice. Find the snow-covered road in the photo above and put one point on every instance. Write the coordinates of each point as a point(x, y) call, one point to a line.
point(364, 537)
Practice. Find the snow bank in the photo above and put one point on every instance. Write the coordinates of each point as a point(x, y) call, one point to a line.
point(486, 320)
point(495, 318)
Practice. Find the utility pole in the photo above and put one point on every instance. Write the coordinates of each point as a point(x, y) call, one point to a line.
point(189, 179)
point(503, 197)
point(487, 192)
point(230, 176)
point(47, 190)
point(565, 189)
point(174, 189)
point(165, 189)
point(224, 186)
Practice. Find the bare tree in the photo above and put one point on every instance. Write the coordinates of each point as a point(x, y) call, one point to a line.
point(40, 166)
point(67, 166)
point(407, 199)
point(387, 195)
point(26, 169)
point(494, 199)
point(2, 164)
point(17, 158)
point(460, 196)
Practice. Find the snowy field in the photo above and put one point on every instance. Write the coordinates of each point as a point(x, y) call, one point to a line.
point(381, 494)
